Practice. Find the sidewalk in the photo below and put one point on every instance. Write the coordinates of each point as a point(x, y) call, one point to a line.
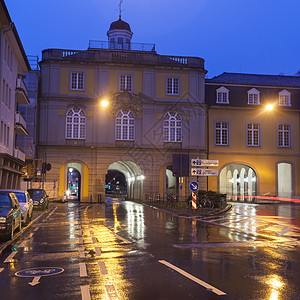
point(184, 212)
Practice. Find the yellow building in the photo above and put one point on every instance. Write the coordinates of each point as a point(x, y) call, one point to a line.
point(257, 145)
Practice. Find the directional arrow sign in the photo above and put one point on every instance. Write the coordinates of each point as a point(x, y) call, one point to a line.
point(204, 162)
point(204, 172)
point(194, 186)
point(37, 273)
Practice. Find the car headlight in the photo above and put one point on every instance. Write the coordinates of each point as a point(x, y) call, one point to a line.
point(42, 200)
point(2, 219)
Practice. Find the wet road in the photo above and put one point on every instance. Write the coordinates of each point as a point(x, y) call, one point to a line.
point(124, 250)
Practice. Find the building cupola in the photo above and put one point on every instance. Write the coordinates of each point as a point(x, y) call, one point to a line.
point(119, 34)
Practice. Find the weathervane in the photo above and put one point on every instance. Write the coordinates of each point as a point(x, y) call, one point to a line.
point(120, 8)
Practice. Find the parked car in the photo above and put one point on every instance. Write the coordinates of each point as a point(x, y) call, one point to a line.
point(25, 203)
point(10, 214)
point(40, 198)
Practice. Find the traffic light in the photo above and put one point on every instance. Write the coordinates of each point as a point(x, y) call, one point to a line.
point(45, 167)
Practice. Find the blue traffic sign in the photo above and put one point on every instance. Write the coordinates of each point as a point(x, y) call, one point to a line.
point(194, 186)
point(38, 272)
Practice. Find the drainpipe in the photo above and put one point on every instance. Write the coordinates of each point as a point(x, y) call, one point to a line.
point(207, 139)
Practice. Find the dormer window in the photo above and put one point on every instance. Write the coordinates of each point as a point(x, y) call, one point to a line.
point(254, 97)
point(284, 98)
point(222, 95)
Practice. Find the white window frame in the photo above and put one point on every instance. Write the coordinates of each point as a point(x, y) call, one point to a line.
point(284, 135)
point(253, 135)
point(284, 98)
point(126, 82)
point(172, 127)
point(125, 126)
point(75, 124)
point(222, 133)
point(222, 95)
point(254, 97)
point(77, 80)
point(173, 85)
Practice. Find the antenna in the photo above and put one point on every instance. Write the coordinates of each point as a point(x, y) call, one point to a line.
point(120, 8)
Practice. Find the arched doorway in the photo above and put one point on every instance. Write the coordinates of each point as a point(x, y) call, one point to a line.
point(171, 181)
point(131, 176)
point(238, 181)
point(73, 181)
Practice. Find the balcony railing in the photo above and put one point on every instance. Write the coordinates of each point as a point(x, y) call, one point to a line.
point(130, 57)
point(21, 91)
point(20, 125)
point(18, 153)
point(94, 44)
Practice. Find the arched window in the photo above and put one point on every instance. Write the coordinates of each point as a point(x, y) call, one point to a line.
point(125, 125)
point(172, 127)
point(75, 124)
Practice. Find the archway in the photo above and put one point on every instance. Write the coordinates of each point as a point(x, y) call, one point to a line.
point(73, 181)
point(238, 181)
point(131, 177)
point(284, 175)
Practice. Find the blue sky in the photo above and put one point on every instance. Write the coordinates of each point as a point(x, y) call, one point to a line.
point(248, 36)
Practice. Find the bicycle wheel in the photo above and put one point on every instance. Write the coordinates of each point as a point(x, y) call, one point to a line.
point(207, 204)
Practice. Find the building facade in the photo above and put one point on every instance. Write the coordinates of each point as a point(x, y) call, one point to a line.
point(155, 109)
point(253, 130)
point(13, 93)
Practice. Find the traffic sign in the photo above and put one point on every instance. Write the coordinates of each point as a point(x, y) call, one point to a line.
point(204, 162)
point(204, 172)
point(194, 186)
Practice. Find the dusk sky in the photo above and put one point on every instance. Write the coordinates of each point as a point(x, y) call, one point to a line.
point(248, 36)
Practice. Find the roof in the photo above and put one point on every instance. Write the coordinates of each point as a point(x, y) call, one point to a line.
point(256, 79)
point(119, 25)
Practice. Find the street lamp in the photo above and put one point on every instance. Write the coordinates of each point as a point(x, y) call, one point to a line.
point(104, 103)
point(269, 107)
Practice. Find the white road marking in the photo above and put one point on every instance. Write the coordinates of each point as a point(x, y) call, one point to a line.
point(81, 252)
point(10, 257)
point(83, 272)
point(35, 281)
point(102, 268)
point(85, 292)
point(30, 235)
point(284, 231)
point(23, 244)
point(121, 238)
point(195, 279)
point(1, 269)
point(111, 292)
point(36, 229)
point(98, 251)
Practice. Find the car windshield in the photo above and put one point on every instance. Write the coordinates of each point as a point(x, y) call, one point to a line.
point(21, 197)
point(4, 201)
point(36, 193)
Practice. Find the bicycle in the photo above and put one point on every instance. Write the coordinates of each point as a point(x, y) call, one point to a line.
point(171, 201)
point(202, 202)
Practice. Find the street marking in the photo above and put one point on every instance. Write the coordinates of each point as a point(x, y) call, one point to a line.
point(259, 228)
point(10, 257)
point(23, 244)
point(98, 251)
point(121, 238)
point(36, 229)
point(1, 269)
point(102, 268)
point(83, 272)
point(35, 281)
point(30, 235)
point(85, 292)
point(284, 231)
point(111, 292)
point(95, 241)
point(81, 252)
point(195, 279)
